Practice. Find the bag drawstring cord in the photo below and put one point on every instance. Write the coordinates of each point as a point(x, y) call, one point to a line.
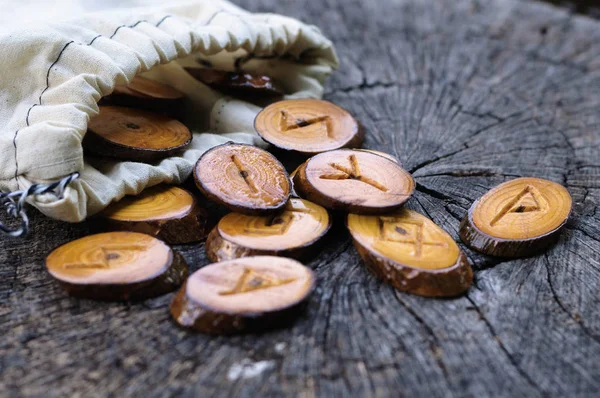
point(14, 202)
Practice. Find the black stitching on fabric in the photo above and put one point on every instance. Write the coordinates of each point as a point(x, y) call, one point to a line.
point(214, 16)
point(93, 40)
point(34, 105)
point(126, 26)
point(162, 20)
point(48, 73)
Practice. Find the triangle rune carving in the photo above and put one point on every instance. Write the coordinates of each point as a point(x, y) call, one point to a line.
point(287, 122)
point(106, 254)
point(527, 201)
point(252, 280)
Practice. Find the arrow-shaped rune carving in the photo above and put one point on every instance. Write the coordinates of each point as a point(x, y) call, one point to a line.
point(352, 173)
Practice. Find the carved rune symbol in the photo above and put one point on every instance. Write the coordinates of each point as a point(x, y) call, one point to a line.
point(243, 172)
point(277, 224)
point(105, 255)
point(391, 230)
point(352, 173)
point(287, 123)
point(528, 200)
point(252, 280)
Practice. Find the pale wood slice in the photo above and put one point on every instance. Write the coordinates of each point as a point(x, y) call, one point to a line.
point(169, 213)
point(308, 126)
point(247, 294)
point(243, 178)
point(147, 94)
point(236, 82)
point(410, 252)
point(517, 218)
point(117, 266)
point(354, 181)
point(135, 135)
point(385, 155)
point(293, 233)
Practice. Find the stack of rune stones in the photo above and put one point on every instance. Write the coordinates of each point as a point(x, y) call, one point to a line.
point(256, 280)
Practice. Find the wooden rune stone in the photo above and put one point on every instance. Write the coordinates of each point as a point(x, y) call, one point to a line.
point(135, 135)
point(517, 218)
point(169, 213)
point(243, 178)
point(410, 252)
point(147, 94)
point(295, 232)
point(236, 82)
point(242, 295)
point(354, 181)
point(308, 126)
point(117, 266)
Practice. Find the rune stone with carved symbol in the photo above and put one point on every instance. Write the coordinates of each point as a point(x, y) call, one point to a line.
point(409, 251)
point(246, 294)
point(354, 180)
point(517, 218)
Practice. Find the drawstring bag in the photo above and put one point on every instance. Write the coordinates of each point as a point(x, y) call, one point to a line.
point(54, 74)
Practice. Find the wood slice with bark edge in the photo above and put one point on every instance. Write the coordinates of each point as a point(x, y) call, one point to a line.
point(410, 252)
point(517, 218)
point(243, 295)
point(308, 126)
point(166, 212)
point(354, 181)
point(236, 82)
point(243, 178)
point(117, 266)
point(295, 233)
point(146, 94)
point(135, 135)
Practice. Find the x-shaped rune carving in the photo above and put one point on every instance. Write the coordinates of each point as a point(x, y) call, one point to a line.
point(109, 252)
point(352, 173)
point(252, 280)
point(401, 235)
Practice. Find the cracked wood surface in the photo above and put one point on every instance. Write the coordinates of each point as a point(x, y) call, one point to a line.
point(467, 95)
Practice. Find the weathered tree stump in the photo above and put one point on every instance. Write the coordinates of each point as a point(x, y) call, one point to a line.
point(466, 94)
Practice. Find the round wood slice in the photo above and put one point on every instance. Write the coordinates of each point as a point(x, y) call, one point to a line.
point(410, 252)
point(385, 155)
point(308, 126)
point(146, 94)
point(247, 294)
point(517, 218)
point(167, 212)
point(354, 181)
point(236, 82)
point(293, 233)
point(135, 135)
point(244, 178)
point(117, 266)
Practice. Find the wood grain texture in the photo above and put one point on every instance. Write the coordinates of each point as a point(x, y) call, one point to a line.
point(467, 95)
